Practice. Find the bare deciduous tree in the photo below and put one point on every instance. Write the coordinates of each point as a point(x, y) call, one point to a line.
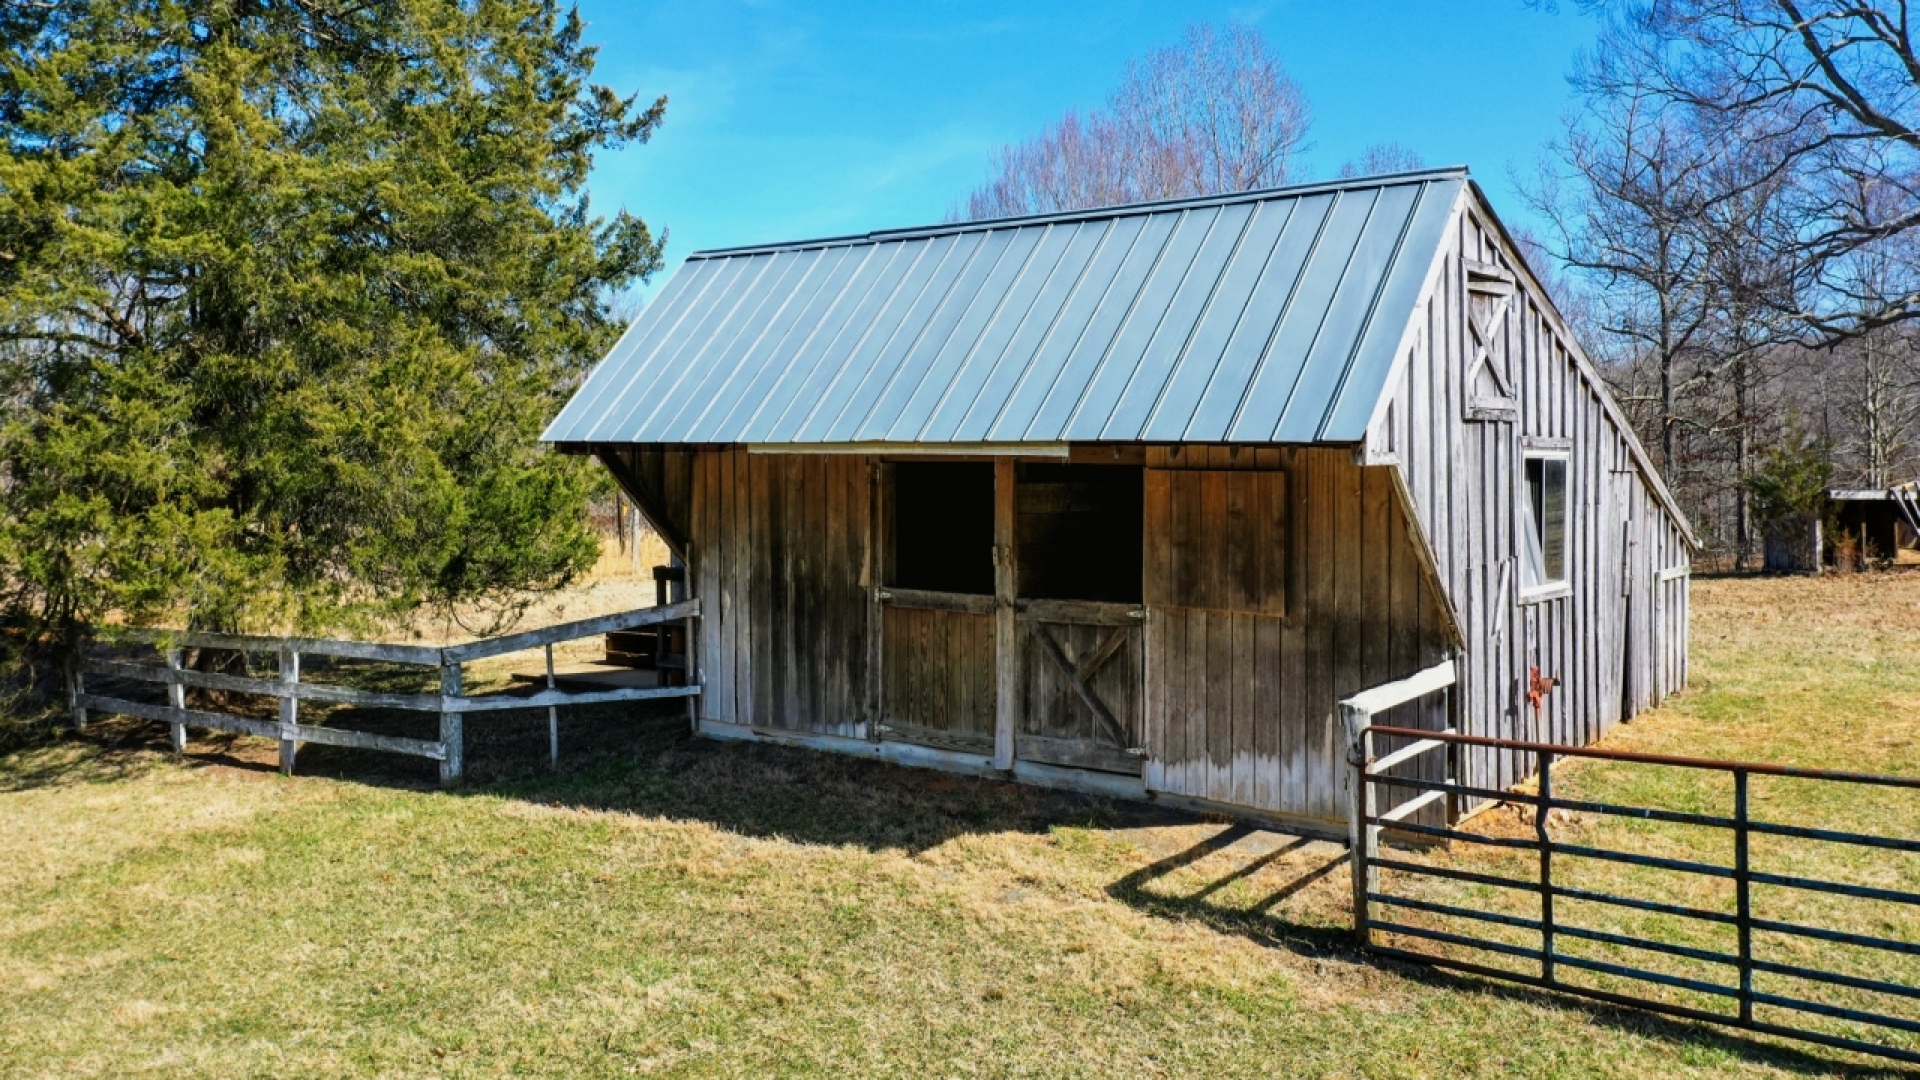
point(1380, 159)
point(1215, 113)
point(1878, 396)
point(1833, 89)
point(1624, 201)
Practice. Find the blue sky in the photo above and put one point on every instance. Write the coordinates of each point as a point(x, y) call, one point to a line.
point(789, 121)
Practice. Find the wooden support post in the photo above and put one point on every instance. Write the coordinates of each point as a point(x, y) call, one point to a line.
point(451, 735)
point(692, 652)
point(633, 538)
point(553, 717)
point(873, 577)
point(177, 701)
point(289, 710)
point(1363, 839)
point(1006, 645)
point(76, 686)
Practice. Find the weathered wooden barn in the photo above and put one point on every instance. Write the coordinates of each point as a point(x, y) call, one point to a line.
point(1127, 499)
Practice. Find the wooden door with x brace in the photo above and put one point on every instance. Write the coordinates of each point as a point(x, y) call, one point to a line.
point(1081, 683)
point(1078, 620)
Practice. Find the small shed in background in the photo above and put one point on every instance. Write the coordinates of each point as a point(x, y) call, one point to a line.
point(1856, 528)
point(1127, 500)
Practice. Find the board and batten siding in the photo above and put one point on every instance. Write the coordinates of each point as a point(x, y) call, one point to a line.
point(1616, 638)
point(781, 556)
point(1240, 703)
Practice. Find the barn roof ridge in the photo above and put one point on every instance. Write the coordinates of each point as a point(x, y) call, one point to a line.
point(1097, 213)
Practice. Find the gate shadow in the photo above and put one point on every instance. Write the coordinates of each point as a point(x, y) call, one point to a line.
point(1321, 940)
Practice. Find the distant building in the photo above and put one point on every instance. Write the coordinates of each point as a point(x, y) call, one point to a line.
point(1871, 526)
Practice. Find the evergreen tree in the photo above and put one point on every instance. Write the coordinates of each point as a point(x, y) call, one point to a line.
point(288, 289)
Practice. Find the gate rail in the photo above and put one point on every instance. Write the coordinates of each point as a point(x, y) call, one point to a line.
point(1368, 824)
point(451, 704)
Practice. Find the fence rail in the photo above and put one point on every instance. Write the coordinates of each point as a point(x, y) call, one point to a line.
point(451, 704)
point(1550, 927)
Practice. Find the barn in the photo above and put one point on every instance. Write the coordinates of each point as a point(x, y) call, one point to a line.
point(1128, 500)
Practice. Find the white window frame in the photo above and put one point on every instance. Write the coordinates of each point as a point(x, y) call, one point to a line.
point(1529, 532)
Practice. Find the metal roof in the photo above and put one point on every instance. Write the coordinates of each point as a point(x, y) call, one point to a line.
point(1269, 316)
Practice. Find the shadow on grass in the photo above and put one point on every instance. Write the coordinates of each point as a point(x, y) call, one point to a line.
point(1257, 923)
point(626, 758)
point(644, 761)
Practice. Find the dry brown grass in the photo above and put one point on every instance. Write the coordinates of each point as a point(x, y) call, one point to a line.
point(677, 907)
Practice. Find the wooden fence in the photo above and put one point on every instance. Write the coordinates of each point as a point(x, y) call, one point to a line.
point(451, 704)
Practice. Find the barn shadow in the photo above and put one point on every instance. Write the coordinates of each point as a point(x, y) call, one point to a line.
point(644, 761)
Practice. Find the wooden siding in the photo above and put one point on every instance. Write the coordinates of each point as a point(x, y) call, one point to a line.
point(1233, 707)
point(1240, 705)
point(938, 679)
point(1616, 637)
point(1217, 539)
point(659, 480)
point(782, 553)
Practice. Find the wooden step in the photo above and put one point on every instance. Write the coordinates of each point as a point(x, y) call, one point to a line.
point(632, 641)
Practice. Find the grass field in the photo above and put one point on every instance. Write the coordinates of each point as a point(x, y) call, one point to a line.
point(664, 906)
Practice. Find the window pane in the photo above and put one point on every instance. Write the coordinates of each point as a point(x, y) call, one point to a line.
point(1553, 517)
point(1533, 566)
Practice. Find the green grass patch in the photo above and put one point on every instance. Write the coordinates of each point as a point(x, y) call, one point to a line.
point(666, 906)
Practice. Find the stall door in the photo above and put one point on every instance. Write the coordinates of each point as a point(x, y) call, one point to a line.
point(937, 682)
point(1078, 624)
point(1082, 685)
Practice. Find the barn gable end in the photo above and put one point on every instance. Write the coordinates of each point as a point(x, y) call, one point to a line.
point(1614, 638)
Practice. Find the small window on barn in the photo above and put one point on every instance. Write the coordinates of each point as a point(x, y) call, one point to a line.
point(1543, 535)
point(1079, 531)
point(942, 526)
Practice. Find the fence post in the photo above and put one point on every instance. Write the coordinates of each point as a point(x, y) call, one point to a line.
point(1540, 815)
point(451, 736)
point(1363, 839)
point(553, 717)
point(76, 687)
point(1743, 894)
point(177, 700)
point(289, 710)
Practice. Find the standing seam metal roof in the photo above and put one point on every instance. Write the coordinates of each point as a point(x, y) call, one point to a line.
point(1268, 316)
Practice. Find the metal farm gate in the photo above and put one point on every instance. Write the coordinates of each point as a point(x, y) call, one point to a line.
point(1770, 972)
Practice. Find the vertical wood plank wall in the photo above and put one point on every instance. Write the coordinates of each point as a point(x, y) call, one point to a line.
point(782, 556)
point(1240, 705)
point(659, 480)
point(1617, 641)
